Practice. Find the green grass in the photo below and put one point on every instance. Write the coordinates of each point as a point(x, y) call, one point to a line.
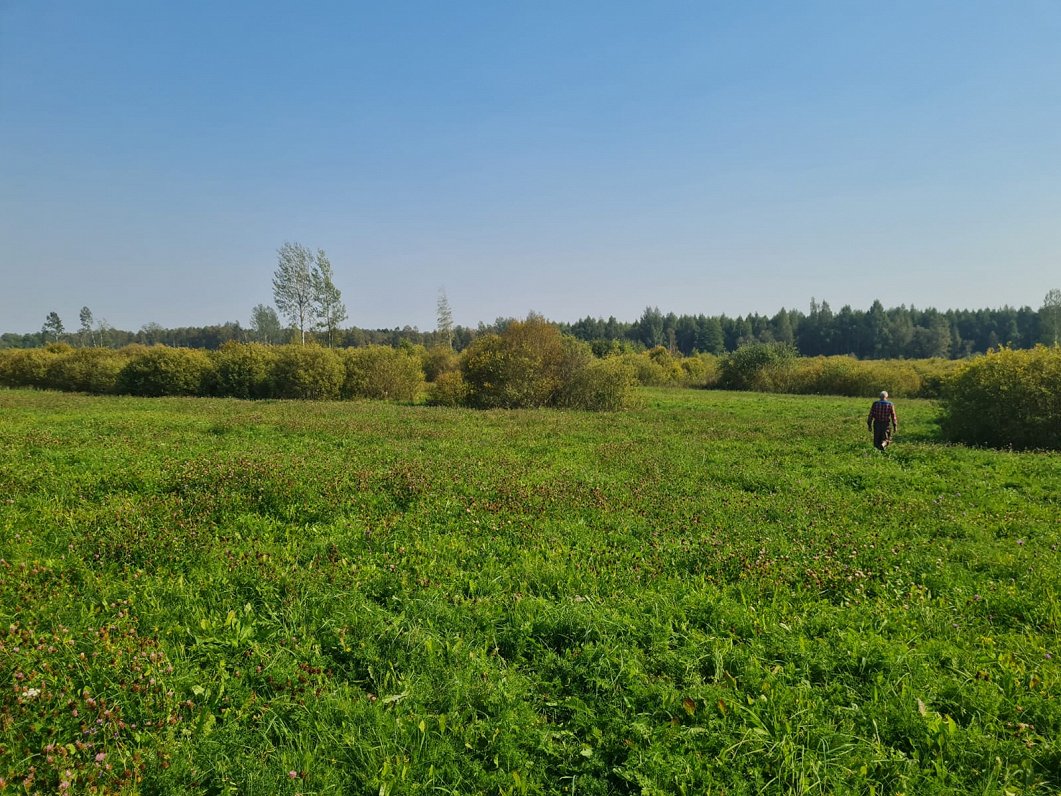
point(717, 593)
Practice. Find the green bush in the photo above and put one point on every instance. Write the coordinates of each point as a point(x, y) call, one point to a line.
point(518, 368)
point(382, 372)
point(438, 360)
point(744, 368)
point(448, 389)
point(607, 385)
point(93, 370)
point(1006, 399)
point(160, 370)
point(532, 364)
point(307, 372)
point(243, 370)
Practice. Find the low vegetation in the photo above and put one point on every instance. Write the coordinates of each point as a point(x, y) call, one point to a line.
point(1007, 398)
point(770, 367)
point(215, 596)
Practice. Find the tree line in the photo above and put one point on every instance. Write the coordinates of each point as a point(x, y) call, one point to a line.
point(305, 295)
point(899, 332)
point(877, 333)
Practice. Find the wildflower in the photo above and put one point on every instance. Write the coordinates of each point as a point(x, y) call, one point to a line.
point(292, 774)
point(100, 757)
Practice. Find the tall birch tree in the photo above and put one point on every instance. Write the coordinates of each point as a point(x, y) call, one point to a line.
point(327, 299)
point(293, 286)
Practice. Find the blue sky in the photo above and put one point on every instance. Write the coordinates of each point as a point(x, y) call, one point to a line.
point(570, 158)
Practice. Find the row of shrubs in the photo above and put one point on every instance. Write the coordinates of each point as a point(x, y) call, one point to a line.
point(530, 364)
point(236, 370)
point(1006, 398)
point(768, 367)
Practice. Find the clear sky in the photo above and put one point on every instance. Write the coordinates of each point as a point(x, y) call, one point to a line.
point(572, 158)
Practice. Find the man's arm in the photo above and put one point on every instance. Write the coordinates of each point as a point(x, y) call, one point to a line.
point(895, 419)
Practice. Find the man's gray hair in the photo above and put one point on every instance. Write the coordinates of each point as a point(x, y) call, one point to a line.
point(884, 395)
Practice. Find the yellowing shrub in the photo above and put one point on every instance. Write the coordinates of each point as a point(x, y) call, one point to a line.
point(25, 367)
point(438, 360)
point(699, 370)
point(448, 389)
point(243, 370)
point(648, 371)
point(160, 370)
point(381, 372)
point(607, 385)
point(93, 370)
point(1006, 399)
point(838, 375)
point(517, 368)
point(531, 364)
point(307, 372)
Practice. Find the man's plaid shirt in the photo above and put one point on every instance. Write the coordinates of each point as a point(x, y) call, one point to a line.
point(883, 410)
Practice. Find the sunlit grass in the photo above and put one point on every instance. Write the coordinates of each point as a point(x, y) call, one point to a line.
point(716, 593)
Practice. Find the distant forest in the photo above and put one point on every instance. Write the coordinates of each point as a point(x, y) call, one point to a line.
point(876, 333)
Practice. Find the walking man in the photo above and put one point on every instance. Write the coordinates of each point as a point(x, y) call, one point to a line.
point(882, 421)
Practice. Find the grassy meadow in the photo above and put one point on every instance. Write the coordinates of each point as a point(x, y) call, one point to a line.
point(717, 593)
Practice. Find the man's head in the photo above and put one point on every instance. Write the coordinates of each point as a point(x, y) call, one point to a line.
point(884, 395)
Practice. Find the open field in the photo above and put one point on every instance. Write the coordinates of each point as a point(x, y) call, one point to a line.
point(717, 593)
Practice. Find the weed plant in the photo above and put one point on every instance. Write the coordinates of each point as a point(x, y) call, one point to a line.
point(715, 593)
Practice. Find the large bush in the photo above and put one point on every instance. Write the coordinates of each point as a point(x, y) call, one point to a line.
point(381, 372)
point(521, 367)
point(159, 371)
point(1006, 398)
point(93, 370)
point(607, 385)
point(243, 370)
point(532, 364)
point(307, 372)
point(744, 368)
